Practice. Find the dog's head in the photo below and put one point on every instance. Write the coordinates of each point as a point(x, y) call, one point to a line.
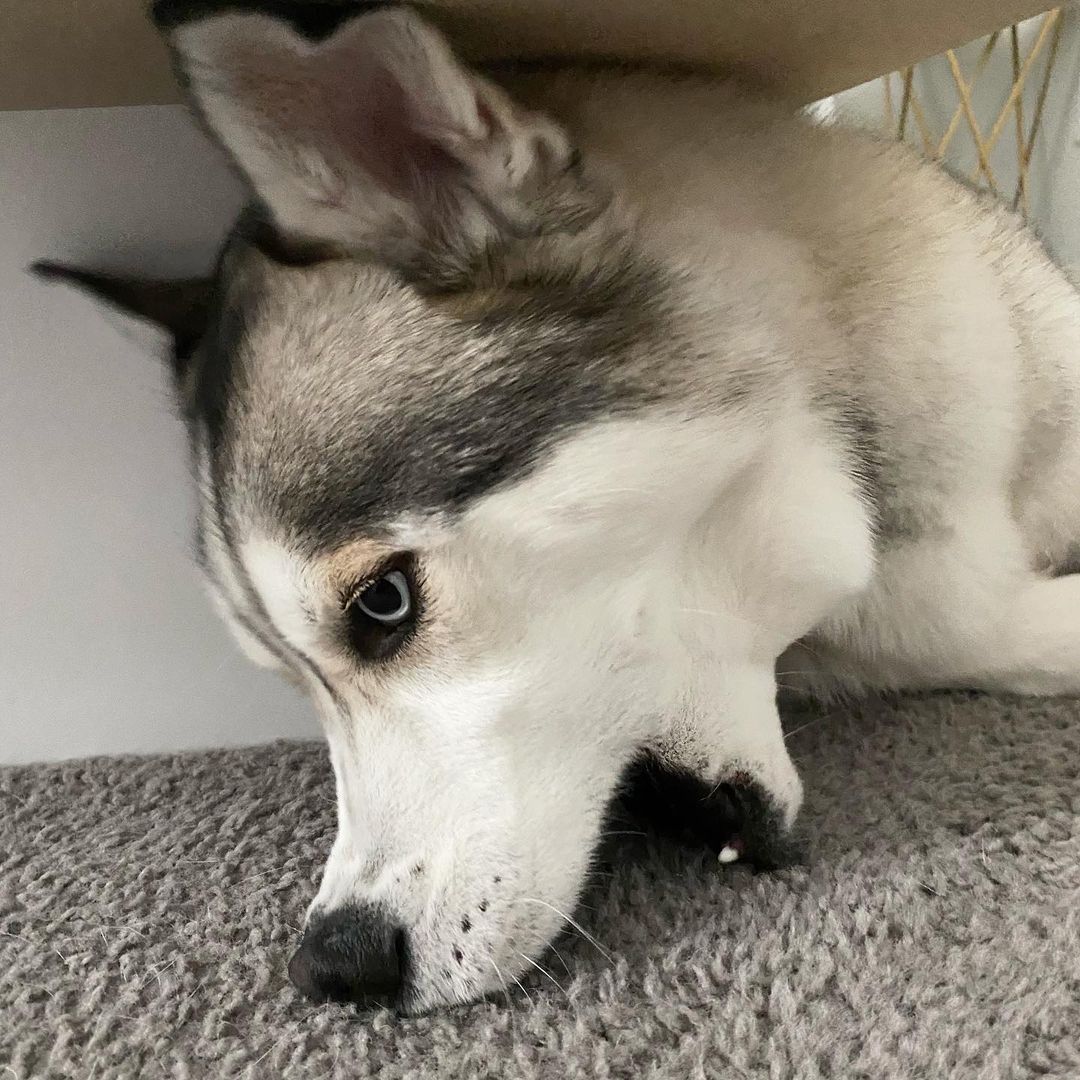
point(433, 394)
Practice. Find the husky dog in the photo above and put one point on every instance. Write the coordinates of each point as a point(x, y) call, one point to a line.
point(546, 419)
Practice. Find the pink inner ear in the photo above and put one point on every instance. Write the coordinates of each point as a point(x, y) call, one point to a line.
point(376, 126)
point(376, 102)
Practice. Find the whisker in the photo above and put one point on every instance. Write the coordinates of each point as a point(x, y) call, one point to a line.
point(561, 960)
point(802, 727)
point(506, 989)
point(156, 971)
point(543, 971)
point(807, 648)
point(797, 688)
point(506, 993)
point(572, 922)
point(713, 790)
point(521, 987)
point(498, 974)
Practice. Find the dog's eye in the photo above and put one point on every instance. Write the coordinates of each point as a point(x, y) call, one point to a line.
point(387, 600)
point(382, 613)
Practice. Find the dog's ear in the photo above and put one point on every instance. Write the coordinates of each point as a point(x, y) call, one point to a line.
point(373, 139)
point(180, 307)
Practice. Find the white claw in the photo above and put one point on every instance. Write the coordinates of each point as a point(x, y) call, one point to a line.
point(728, 854)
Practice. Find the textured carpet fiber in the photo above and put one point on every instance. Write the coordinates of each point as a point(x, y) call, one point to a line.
point(148, 907)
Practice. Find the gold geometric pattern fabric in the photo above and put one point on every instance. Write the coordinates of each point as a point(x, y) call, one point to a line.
point(911, 119)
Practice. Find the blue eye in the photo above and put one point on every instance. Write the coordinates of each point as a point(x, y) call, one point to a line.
point(387, 600)
point(382, 612)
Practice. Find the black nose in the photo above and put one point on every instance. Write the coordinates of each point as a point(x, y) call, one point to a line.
point(351, 954)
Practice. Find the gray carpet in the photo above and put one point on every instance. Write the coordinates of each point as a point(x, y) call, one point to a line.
point(148, 907)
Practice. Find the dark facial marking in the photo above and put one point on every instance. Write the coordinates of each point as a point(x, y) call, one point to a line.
point(283, 650)
point(214, 370)
point(315, 19)
point(565, 353)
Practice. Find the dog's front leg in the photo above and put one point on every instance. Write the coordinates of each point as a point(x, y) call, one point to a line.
point(720, 776)
point(776, 553)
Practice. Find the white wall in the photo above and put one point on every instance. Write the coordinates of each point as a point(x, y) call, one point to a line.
point(107, 641)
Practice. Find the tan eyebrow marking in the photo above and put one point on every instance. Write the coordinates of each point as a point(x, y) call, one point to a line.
point(472, 304)
point(343, 568)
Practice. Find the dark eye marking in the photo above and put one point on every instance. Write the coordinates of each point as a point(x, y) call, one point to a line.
point(382, 610)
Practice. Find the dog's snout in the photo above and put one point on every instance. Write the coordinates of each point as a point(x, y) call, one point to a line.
point(352, 954)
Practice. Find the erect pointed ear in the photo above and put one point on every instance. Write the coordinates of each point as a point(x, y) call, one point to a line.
point(374, 139)
point(180, 307)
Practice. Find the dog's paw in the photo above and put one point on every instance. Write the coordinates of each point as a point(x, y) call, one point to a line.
point(734, 816)
point(761, 835)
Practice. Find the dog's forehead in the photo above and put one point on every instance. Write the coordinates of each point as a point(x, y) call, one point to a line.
point(339, 399)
